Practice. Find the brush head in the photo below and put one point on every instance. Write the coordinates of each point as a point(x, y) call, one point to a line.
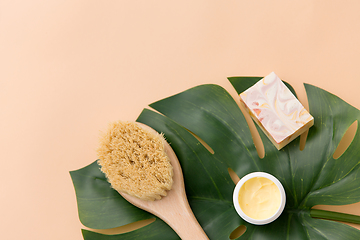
point(134, 160)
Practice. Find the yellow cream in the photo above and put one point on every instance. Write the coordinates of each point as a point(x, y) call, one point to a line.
point(259, 198)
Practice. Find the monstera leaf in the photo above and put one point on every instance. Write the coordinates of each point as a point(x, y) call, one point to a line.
point(310, 177)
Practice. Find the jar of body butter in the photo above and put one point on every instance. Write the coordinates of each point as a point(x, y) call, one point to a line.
point(259, 198)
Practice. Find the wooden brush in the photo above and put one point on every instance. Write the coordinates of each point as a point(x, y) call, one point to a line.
point(144, 169)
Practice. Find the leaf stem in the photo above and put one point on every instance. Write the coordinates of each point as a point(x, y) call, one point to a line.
point(328, 215)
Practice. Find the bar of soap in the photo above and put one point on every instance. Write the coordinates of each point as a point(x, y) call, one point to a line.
point(276, 110)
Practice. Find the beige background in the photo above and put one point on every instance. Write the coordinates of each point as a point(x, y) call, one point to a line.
point(67, 68)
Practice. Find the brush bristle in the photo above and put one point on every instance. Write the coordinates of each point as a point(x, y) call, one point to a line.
point(134, 161)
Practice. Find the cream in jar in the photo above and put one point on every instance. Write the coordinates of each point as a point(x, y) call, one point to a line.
point(259, 198)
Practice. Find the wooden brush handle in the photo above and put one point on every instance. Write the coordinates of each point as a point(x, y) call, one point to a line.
point(173, 209)
point(181, 219)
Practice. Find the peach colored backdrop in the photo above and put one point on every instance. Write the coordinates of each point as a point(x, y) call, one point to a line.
point(67, 68)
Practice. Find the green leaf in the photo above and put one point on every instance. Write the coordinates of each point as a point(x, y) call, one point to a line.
point(100, 206)
point(310, 177)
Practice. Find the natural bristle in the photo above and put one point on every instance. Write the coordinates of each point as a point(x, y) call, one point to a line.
point(134, 161)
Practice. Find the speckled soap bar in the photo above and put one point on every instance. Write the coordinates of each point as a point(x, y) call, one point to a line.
point(276, 110)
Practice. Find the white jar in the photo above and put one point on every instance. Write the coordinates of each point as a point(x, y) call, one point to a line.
point(277, 212)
